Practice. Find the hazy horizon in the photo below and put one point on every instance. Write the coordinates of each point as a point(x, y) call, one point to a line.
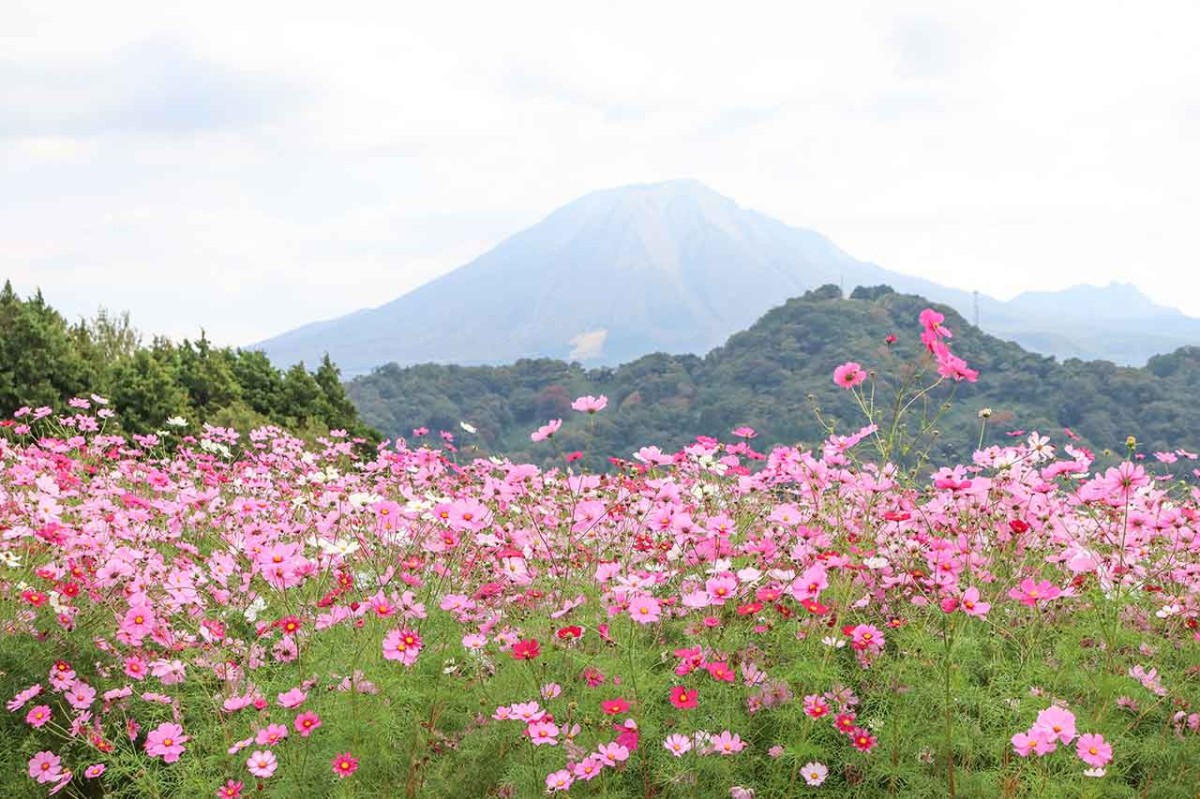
point(273, 166)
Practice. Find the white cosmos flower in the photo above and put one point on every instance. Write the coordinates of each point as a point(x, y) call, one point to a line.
point(256, 607)
point(470, 428)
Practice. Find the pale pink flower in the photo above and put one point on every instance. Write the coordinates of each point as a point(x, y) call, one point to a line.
point(678, 745)
point(814, 773)
point(560, 780)
point(262, 764)
point(546, 431)
point(590, 404)
point(727, 743)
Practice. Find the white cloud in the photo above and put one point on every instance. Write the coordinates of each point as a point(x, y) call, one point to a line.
point(249, 167)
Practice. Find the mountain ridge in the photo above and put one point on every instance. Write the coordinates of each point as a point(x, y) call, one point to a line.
point(674, 267)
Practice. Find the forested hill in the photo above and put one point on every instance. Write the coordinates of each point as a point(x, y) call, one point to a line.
point(770, 376)
point(44, 360)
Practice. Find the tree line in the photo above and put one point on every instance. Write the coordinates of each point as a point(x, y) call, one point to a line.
point(46, 360)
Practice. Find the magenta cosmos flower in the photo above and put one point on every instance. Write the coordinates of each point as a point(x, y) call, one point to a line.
point(683, 699)
point(306, 722)
point(344, 765)
point(849, 375)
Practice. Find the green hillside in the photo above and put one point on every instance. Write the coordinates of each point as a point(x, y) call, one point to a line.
point(773, 376)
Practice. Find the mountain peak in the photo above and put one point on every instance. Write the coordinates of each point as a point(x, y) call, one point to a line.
point(677, 267)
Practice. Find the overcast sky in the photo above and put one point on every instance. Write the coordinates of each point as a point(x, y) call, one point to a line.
point(250, 166)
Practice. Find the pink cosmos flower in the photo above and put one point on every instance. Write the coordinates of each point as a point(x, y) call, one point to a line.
point(95, 770)
point(262, 764)
point(344, 765)
point(849, 375)
point(720, 671)
point(81, 695)
point(19, 701)
point(560, 780)
point(1057, 722)
point(45, 767)
point(727, 743)
point(137, 623)
point(546, 431)
point(612, 754)
point(291, 699)
point(678, 745)
point(971, 604)
point(543, 733)
point(612, 707)
point(1024, 743)
point(135, 668)
point(1093, 750)
point(644, 610)
point(589, 768)
point(1030, 593)
point(402, 645)
point(867, 638)
point(166, 741)
point(38, 716)
point(230, 790)
point(814, 773)
point(525, 711)
point(590, 404)
point(271, 735)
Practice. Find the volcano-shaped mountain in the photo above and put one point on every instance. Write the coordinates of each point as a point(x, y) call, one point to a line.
point(676, 267)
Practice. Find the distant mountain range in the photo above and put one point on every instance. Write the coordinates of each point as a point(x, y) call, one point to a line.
point(676, 267)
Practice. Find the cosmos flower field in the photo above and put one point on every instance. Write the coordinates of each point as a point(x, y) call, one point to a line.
point(215, 615)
